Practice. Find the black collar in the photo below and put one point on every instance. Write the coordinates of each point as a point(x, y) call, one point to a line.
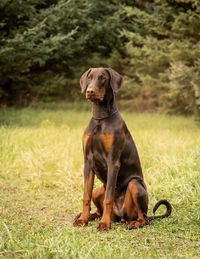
point(110, 115)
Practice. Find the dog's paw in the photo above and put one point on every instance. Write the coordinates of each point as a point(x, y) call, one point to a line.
point(132, 225)
point(103, 226)
point(135, 224)
point(80, 222)
point(94, 216)
point(77, 216)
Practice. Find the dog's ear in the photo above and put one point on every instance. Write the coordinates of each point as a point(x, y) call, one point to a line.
point(116, 79)
point(84, 80)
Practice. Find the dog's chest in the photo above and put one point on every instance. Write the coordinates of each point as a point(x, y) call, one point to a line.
point(98, 141)
point(96, 147)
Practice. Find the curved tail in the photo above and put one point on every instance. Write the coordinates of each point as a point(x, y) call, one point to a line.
point(166, 214)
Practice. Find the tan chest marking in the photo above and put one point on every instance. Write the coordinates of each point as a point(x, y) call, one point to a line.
point(107, 140)
point(85, 140)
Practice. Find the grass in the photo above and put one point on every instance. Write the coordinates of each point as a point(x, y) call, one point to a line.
point(41, 187)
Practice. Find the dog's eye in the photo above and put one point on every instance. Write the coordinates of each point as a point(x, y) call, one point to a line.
point(101, 77)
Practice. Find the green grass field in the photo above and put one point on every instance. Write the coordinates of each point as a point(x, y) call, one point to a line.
point(41, 187)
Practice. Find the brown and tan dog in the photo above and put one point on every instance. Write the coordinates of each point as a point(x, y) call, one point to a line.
point(110, 154)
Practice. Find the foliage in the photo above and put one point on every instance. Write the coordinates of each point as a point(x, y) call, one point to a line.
point(46, 45)
point(184, 81)
point(157, 35)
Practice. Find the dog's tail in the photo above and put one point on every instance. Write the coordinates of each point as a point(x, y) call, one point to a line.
point(166, 214)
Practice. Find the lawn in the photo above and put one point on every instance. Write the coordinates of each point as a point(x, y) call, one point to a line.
point(41, 187)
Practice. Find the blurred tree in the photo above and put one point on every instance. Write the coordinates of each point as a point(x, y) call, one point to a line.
point(45, 45)
point(157, 38)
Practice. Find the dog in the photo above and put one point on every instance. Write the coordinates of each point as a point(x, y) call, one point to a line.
point(110, 154)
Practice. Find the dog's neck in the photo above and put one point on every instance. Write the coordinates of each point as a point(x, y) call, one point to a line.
point(104, 109)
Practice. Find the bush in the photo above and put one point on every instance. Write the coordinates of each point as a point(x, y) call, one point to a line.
point(47, 45)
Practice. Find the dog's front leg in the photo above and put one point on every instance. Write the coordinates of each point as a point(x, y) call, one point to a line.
point(87, 195)
point(105, 223)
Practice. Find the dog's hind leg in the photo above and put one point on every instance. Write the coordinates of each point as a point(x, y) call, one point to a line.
point(135, 205)
point(98, 197)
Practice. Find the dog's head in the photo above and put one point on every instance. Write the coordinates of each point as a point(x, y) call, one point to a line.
point(98, 82)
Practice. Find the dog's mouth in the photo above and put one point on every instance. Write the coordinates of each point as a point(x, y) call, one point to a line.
point(93, 98)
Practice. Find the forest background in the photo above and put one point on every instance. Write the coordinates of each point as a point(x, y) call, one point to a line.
point(45, 46)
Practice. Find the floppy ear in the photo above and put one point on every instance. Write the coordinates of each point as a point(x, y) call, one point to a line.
point(116, 79)
point(84, 80)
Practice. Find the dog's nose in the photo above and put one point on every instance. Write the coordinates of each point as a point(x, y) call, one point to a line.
point(90, 91)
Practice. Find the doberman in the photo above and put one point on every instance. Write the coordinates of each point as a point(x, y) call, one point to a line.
point(110, 154)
